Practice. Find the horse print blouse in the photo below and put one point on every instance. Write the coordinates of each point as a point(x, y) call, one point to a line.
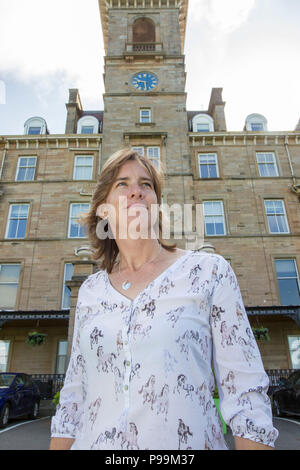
point(141, 372)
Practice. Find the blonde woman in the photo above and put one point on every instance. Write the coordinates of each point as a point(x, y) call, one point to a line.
point(150, 326)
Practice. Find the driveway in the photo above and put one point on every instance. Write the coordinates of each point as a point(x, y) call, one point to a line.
point(35, 435)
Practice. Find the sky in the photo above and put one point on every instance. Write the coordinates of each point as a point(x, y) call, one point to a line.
point(250, 48)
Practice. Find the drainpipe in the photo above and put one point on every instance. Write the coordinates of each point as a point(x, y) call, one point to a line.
point(2, 164)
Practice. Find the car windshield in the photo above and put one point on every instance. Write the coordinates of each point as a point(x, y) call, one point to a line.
point(6, 380)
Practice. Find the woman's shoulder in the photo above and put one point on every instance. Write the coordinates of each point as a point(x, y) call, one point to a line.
point(205, 257)
point(94, 279)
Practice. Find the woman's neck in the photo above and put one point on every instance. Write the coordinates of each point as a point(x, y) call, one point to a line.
point(135, 253)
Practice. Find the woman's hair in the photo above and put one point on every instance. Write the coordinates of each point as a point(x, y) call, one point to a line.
point(106, 251)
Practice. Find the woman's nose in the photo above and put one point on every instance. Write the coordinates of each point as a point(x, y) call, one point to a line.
point(136, 191)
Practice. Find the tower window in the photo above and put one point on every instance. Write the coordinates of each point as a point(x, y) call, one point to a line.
point(145, 115)
point(143, 30)
point(34, 131)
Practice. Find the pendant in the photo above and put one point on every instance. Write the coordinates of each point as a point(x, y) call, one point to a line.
point(126, 285)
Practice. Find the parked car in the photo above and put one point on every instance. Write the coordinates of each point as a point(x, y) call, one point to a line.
point(19, 396)
point(286, 398)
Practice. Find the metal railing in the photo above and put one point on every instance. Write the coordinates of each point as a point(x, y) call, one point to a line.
point(275, 375)
point(48, 384)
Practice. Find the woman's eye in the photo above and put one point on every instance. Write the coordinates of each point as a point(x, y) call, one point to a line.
point(148, 184)
point(121, 182)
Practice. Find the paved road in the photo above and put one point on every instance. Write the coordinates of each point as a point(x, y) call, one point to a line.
point(35, 435)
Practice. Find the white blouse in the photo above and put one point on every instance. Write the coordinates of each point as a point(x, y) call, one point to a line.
point(140, 374)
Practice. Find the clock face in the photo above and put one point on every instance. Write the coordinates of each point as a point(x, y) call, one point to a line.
point(144, 81)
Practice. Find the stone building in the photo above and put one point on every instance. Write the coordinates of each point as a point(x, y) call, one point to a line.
point(246, 181)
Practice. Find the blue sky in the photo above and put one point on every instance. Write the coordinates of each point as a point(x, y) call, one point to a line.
point(250, 48)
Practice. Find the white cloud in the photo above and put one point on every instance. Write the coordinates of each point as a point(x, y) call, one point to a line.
point(41, 41)
point(224, 16)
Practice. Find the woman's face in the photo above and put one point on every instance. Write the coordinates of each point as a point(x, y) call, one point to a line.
point(129, 202)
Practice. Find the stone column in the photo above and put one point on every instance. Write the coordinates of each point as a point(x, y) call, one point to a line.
point(82, 269)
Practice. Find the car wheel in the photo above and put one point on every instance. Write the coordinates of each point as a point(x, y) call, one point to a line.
point(4, 416)
point(276, 408)
point(35, 411)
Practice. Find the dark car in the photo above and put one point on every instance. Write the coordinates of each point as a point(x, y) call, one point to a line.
point(286, 398)
point(19, 396)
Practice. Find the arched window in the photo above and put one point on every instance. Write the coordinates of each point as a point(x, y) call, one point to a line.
point(88, 125)
point(256, 123)
point(35, 126)
point(203, 123)
point(143, 30)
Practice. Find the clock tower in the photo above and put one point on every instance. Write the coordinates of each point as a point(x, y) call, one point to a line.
point(144, 78)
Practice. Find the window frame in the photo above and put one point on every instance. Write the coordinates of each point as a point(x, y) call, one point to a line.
point(149, 116)
point(267, 164)
point(154, 159)
point(9, 218)
point(63, 288)
point(272, 215)
point(70, 220)
point(223, 215)
point(8, 351)
point(59, 356)
point(19, 166)
point(284, 278)
point(76, 166)
point(9, 283)
point(290, 352)
point(215, 155)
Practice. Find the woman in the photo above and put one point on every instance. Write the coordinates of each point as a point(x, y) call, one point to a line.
point(148, 327)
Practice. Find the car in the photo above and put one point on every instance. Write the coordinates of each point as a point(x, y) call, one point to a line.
point(19, 396)
point(286, 398)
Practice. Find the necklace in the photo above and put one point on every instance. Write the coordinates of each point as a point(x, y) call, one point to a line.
point(127, 284)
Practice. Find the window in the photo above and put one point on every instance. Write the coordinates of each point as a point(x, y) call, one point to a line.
point(143, 30)
point(288, 281)
point(214, 218)
point(153, 153)
point(203, 123)
point(276, 217)
point(257, 126)
point(208, 167)
point(9, 280)
point(139, 150)
point(17, 221)
point(68, 273)
point(26, 169)
point(203, 127)
point(61, 358)
point(88, 125)
point(145, 115)
point(34, 130)
point(83, 168)
point(35, 126)
point(4, 349)
point(294, 347)
point(87, 130)
point(256, 123)
point(75, 229)
point(267, 164)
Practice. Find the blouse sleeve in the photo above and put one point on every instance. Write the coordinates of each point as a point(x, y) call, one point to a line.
point(241, 379)
point(66, 421)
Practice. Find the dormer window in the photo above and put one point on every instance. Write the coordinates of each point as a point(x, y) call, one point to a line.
point(34, 130)
point(202, 123)
point(256, 123)
point(35, 126)
point(87, 130)
point(88, 125)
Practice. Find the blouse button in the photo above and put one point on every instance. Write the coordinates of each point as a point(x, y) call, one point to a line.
point(127, 363)
point(126, 387)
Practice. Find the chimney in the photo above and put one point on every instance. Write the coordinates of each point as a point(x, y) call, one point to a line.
point(74, 110)
point(216, 109)
point(298, 126)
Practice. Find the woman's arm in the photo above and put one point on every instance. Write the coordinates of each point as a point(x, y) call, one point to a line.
point(247, 444)
point(61, 443)
point(241, 379)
